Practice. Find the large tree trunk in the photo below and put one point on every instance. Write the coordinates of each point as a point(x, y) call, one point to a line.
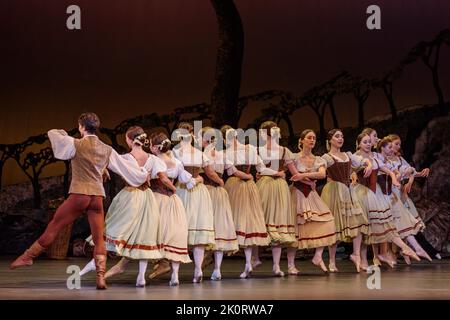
point(225, 94)
point(388, 92)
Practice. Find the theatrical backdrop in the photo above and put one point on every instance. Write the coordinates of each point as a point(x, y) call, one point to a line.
point(301, 63)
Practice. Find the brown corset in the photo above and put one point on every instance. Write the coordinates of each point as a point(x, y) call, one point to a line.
point(340, 172)
point(304, 188)
point(159, 187)
point(370, 182)
point(385, 183)
point(142, 187)
point(244, 168)
point(195, 171)
point(208, 181)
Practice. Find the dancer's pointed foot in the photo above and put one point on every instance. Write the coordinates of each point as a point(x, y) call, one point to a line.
point(256, 264)
point(332, 268)
point(410, 253)
point(376, 262)
point(364, 264)
point(118, 268)
point(423, 254)
point(160, 268)
point(140, 281)
point(386, 260)
point(216, 276)
point(198, 276)
point(319, 263)
point(247, 271)
point(26, 259)
point(88, 268)
point(277, 271)
point(407, 259)
point(174, 280)
point(293, 271)
point(356, 261)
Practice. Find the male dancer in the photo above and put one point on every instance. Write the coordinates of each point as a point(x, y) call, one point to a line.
point(89, 159)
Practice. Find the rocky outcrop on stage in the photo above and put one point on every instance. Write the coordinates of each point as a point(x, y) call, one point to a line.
point(432, 196)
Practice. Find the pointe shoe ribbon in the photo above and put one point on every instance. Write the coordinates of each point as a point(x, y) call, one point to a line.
point(26, 259)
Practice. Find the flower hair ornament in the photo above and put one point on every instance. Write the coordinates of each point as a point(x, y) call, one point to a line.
point(275, 132)
point(138, 139)
point(160, 146)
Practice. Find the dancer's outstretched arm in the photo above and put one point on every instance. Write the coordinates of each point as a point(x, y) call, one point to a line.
point(127, 169)
point(62, 144)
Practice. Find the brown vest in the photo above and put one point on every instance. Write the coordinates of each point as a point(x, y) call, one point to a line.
point(385, 183)
point(340, 172)
point(303, 188)
point(208, 181)
point(195, 171)
point(157, 186)
point(91, 159)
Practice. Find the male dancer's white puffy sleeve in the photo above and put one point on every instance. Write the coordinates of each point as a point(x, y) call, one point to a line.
point(127, 169)
point(62, 144)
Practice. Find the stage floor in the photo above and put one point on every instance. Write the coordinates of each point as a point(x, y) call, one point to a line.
point(46, 279)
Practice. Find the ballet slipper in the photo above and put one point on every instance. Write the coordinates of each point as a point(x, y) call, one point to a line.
point(423, 254)
point(410, 253)
point(332, 268)
point(407, 259)
point(247, 271)
point(216, 276)
point(293, 271)
point(174, 280)
point(26, 259)
point(140, 281)
point(388, 261)
point(277, 272)
point(198, 276)
point(319, 263)
point(118, 268)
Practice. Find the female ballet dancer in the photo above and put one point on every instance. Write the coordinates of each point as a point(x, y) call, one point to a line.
point(248, 214)
point(339, 195)
point(197, 201)
point(173, 219)
point(132, 222)
point(89, 159)
point(407, 226)
point(407, 175)
point(276, 199)
point(315, 223)
point(382, 227)
point(225, 232)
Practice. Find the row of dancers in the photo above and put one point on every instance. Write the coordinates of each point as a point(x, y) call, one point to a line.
point(177, 199)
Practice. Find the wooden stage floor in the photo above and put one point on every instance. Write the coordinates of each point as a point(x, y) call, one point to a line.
point(46, 279)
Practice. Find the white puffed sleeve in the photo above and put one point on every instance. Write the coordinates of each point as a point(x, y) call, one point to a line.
point(228, 165)
point(206, 161)
point(128, 169)
point(319, 162)
point(328, 160)
point(259, 163)
point(357, 161)
point(289, 157)
point(155, 165)
point(62, 144)
point(185, 177)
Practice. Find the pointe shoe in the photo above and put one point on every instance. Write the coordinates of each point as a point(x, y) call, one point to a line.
point(423, 254)
point(356, 261)
point(140, 281)
point(256, 264)
point(376, 262)
point(364, 265)
point(26, 259)
point(100, 266)
point(389, 262)
point(410, 253)
point(293, 271)
point(407, 259)
point(174, 283)
point(277, 272)
point(247, 271)
point(320, 264)
point(332, 268)
point(118, 268)
point(161, 268)
point(198, 277)
point(216, 276)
